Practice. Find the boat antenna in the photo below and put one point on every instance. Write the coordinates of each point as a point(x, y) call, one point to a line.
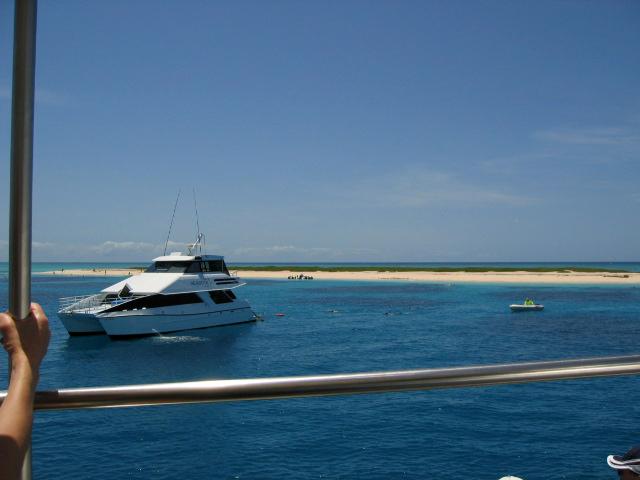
point(192, 248)
point(200, 236)
point(171, 224)
point(195, 205)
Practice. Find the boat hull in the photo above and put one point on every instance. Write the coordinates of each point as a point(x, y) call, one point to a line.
point(143, 323)
point(526, 308)
point(81, 323)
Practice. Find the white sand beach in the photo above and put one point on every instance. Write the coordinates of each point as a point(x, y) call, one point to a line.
point(95, 272)
point(598, 278)
point(464, 277)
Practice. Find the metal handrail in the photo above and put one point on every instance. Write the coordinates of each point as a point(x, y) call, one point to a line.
point(340, 384)
point(89, 303)
point(20, 212)
point(76, 298)
point(66, 302)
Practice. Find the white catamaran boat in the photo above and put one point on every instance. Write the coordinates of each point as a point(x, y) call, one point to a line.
point(177, 292)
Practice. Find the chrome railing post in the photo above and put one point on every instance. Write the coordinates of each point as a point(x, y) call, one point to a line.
point(336, 384)
point(24, 67)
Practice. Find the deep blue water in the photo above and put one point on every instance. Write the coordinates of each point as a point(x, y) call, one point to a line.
point(559, 430)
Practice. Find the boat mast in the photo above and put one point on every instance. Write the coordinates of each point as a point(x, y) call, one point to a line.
point(171, 224)
point(24, 68)
point(200, 240)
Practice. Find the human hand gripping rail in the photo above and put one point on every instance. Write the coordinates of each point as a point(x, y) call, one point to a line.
point(26, 342)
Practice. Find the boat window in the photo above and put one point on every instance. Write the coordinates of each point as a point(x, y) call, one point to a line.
point(194, 267)
point(155, 301)
point(216, 265)
point(205, 266)
point(221, 296)
point(230, 293)
point(168, 267)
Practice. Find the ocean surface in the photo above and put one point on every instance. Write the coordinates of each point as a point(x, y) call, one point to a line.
point(629, 266)
point(555, 430)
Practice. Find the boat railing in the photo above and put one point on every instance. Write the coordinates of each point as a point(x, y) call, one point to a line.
point(83, 301)
point(325, 385)
point(88, 303)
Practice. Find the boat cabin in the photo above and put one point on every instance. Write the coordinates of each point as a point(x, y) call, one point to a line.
point(178, 263)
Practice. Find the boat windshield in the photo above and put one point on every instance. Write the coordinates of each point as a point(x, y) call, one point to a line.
point(168, 267)
point(214, 266)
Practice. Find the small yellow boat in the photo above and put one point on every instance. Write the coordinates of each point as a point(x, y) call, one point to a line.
point(534, 307)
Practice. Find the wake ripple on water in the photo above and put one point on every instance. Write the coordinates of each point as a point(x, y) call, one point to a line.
point(178, 339)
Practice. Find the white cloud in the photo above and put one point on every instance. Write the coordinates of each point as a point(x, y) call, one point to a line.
point(418, 187)
point(591, 136)
point(42, 245)
point(514, 164)
point(37, 248)
point(279, 249)
point(292, 253)
point(140, 250)
point(110, 250)
point(117, 251)
point(110, 247)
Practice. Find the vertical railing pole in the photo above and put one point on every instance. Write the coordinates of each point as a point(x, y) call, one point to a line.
point(22, 111)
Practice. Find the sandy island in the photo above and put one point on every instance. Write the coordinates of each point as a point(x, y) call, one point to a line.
point(564, 277)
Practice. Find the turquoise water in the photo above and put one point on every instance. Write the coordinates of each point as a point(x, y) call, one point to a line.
point(558, 430)
point(630, 266)
point(38, 267)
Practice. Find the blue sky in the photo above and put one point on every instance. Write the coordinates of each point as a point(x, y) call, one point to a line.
point(334, 131)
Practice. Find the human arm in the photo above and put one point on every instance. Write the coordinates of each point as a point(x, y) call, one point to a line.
point(26, 342)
